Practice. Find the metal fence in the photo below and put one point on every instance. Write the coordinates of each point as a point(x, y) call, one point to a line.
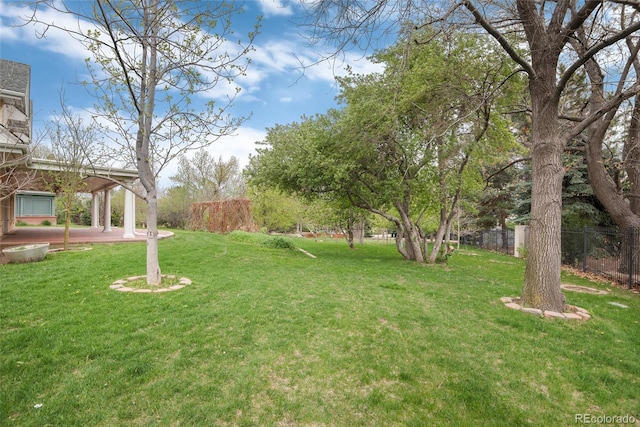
point(607, 252)
point(494, 240)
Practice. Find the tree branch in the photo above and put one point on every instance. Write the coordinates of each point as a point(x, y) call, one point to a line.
point(498, 36)
point(591, 52)
point(504, 168)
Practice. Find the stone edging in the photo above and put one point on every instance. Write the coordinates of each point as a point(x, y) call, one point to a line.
point(571, 312)
point(582, 289)
point(119, 285)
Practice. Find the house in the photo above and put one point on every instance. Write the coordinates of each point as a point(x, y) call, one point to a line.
point(23, 178)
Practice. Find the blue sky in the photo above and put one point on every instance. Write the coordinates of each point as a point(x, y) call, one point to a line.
point(275, 90)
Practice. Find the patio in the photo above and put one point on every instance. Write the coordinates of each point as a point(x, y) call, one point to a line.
point(77, 236)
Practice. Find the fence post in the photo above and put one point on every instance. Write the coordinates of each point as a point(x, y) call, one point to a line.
point(519, 241)
point(585, 240)
point(631, 247)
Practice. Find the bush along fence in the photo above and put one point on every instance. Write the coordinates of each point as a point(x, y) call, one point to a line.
point(607, 252)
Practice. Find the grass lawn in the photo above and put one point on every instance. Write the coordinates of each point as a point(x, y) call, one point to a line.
point(272, 337)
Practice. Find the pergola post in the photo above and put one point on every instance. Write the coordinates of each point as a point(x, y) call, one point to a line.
point(95, 211)
point(107, 211)
point(129, 214)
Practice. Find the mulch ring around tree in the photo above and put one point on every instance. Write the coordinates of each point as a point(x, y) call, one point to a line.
point(138, 284)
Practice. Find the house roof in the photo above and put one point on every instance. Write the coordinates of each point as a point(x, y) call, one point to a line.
point(96, 179)
point(15, 99)
point(14, 77)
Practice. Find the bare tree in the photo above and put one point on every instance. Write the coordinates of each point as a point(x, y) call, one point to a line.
point(549, 60)
point(71, 141)
point(619, 192)
point(150, 59)
point(206, 178)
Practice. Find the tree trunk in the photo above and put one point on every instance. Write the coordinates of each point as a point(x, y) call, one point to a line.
point(505, 234)
point(348, 232)
point(631, 155)
point(400, 239)
point(541, 287)
point(437, 241)
point(605, 188)
point(350, 238)
point(67, 223)
point(154, 276)
point(411, 235)
point(143, 143)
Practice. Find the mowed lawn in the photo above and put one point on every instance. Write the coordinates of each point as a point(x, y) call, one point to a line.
point(273, 337)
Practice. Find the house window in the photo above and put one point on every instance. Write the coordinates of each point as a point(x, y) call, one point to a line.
point(28, 204)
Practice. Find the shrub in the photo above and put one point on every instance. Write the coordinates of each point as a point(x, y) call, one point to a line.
point(523, 251)
point(274, 242)
point(46, 222)
point(279, 243)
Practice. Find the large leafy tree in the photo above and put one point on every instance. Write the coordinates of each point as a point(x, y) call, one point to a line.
point(401, 145)
point(149, 60)
point(551, 61)
point(550, 41)
point(273, 210)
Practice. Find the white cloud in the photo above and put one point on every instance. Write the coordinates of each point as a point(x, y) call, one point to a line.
point(14, 27)
point(240, 145)
point(286, 99)
point(283, 61)
point(285, 57)
point(275, 8)
point(293, 56)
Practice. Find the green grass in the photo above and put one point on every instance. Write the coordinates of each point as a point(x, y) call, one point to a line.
point(267, 336)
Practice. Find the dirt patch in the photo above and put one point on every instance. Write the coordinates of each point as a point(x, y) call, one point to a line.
point(137, 284)
point(71, 249)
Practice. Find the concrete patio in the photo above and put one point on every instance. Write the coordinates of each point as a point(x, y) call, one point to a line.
point(55, 236)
